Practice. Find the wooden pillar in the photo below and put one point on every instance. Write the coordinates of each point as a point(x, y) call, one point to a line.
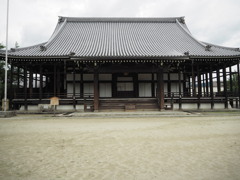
point(58, 81)
point(81, 82)
point(31, 83)
point(65, 78)
point(18, 80)
point(238, 86)
point(179, 88)
point(54, 79)
point(135, 84)
point(199, 82)
point(41, 84)
point(203, 85)
point(206, 81)
point(74, 80)
point(189, 86)
point(153, 86)
point(230, 79)
point(199, 87)
point(193, 80)
point(169, 84)
point(18, 77)
point(218, 81)
point(11, 86)
point(74, 86)
point(96, 90)
point(185, 93)
point(36, 80)
point(25, 88)
point(225, 87)
point(160, 88)
point(81, 86)
point(211, 88)
point(231, 86)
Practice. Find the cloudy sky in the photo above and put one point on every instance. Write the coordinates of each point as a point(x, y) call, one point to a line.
point(33, 21)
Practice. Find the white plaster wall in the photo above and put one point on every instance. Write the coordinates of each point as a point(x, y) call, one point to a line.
point(30, 108)
point(105, 89)
point(175, 87)
point(145, 77)
point(174, 76)
point(88, 88)
point(70, 89)
point(70, 107)
point(59, 108)
point(88, 77)
point(203, 106)
point(70, 77)
point(165, 88)
point(145, 90)
point(105, 77)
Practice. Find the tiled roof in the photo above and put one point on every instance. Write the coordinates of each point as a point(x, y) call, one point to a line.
point(123, 38)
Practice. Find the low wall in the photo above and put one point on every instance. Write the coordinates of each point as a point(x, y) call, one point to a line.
point(58, 108)
point(204, 106)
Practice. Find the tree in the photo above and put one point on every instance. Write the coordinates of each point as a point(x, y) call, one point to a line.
point(1, 46)
point(2, 76)
point(16, 45)
point(2, 70)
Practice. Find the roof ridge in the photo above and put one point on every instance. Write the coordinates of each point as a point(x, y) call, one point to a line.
point(122, 19)
point(54, 35)
point(223, 47)
point(207, 47)
point(28, 47)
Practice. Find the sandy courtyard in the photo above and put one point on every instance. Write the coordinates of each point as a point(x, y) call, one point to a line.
point(34, 147)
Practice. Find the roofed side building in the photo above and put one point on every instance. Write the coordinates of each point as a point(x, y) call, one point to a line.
point(112, 63)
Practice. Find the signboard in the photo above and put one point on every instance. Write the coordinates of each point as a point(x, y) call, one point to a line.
point(54, 101)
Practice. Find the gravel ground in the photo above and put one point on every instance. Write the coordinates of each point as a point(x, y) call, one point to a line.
point(200, 146)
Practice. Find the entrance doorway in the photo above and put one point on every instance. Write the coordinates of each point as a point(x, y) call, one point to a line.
point(124, 86)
